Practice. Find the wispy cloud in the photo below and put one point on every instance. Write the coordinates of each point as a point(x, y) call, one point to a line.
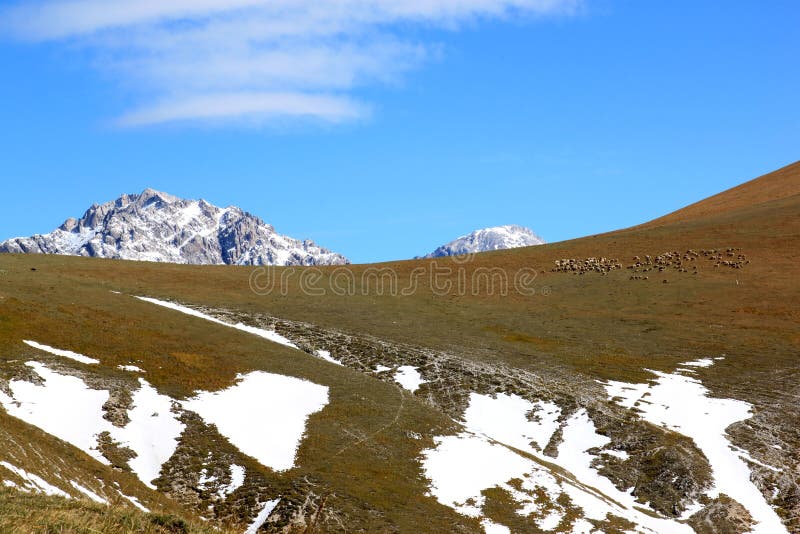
point(223, 60)
point(244, 105)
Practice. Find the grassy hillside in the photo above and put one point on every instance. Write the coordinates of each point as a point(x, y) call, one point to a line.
point(569, 330)
point(602, 325)
point(783, 183)
point(23, 513)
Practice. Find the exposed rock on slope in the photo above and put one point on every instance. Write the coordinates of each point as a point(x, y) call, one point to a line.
point(155, 226)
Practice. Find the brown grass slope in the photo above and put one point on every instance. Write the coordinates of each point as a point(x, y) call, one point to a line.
point(784, 182)
point(592, 326)
point(357, 450)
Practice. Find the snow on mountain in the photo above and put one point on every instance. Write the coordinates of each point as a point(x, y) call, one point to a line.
point(155, 226)
point(495, 238)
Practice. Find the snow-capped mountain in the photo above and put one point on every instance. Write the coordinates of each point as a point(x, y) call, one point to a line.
point(495, 238)
point(155, 226)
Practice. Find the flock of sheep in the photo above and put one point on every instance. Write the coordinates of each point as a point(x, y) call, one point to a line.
point(684, 262)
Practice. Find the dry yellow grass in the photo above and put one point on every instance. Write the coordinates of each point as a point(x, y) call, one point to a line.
point(22, 513)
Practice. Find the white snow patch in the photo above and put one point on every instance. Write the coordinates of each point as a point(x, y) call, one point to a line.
point(189, 213)
point(599, 496)
point(578, 437)
point(262, 516)
point(152, 432)
point(550, 521)
point(622, 455)
point(681, 403)
point(63, 353)
point(457, 480)
point(702, 362)
point(582, 526)
point(89, 493)
point(205, 479)
point(496, 427)
point(490, 527)
point(746, 456)
point(34, 482)
point(130, 368)
point(134, 501)
point(382, 368)
point(272, 440)
point(271, 335)
point(237, 479)
point(76, 421)
point(504, 418)
point(409, 377)
point(67, 408)
point(326, 355)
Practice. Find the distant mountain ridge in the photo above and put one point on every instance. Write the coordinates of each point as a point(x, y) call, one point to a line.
point(156, 226)
point(486, 239)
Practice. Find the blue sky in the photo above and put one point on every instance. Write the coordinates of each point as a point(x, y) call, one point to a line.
point(384, 131)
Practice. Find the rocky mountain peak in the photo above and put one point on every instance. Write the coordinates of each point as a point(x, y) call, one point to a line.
point(486, 239)
point(157, 226)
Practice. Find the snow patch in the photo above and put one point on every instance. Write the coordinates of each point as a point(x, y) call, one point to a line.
point(271, 335)
point(189, 213)
point(578, 436)
point(77, 422)
point(130, 368)
point(262, 516)
point(409, 377)
point(456, 479)
point(34, 482)
point(505, 419)
point(622, 455)
point(681, 403)
point(205, 479)
point(134, 501)
point(237, 480)
point(550, 521)
point(152, 432)
point(273, 439)
point(582, 526)
point(89, 493)
point(490, 527)
point(499, 432)
point(63, 353)
point(702, 362)
point(326, 355)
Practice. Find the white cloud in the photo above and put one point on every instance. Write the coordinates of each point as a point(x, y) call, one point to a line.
point(243, 59)
point(246, 106)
